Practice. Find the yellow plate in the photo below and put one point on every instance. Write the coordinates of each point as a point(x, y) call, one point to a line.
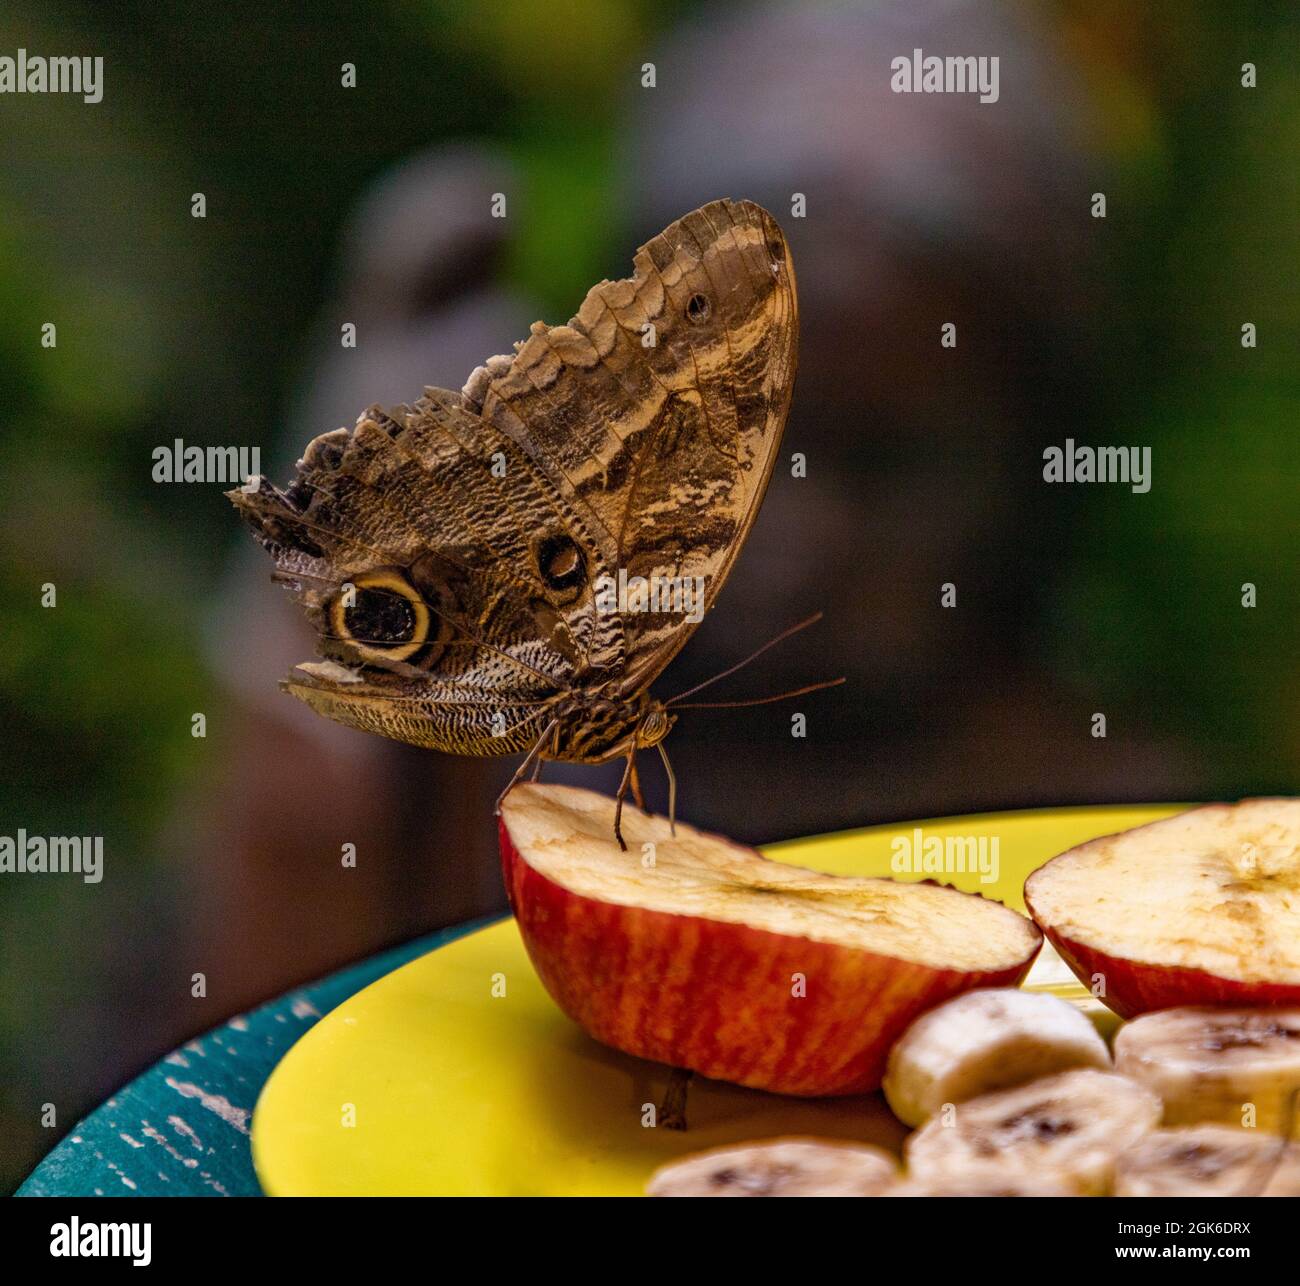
point(457, 1075)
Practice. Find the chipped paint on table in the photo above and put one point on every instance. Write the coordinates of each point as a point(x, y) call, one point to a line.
point(182, 1127)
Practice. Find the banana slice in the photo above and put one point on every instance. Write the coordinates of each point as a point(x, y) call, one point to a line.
point(1233, 1066)
point(985, 1181)
point(1209, 1161)
point(1070, 1127)
point(984, 1041)
point(791, 1167)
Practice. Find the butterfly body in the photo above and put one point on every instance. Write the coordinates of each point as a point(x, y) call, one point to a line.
point(593, 729)
point(457, 556)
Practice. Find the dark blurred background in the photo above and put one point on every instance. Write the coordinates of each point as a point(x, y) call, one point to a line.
point(370, 204)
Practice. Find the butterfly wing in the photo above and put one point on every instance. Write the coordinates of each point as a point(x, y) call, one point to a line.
point(451, 554)
point(659, 408)
point(470, 605)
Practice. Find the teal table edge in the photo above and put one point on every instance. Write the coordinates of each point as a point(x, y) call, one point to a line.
point(182, 1128)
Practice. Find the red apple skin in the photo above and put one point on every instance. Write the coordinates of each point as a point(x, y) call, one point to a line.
point(716, 998)
point(1136, 987)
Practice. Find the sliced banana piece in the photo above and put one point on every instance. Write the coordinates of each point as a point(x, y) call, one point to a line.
point(985, 1181)
point(1235, 1066)
point(984, 1041)
point(790, 1167)
point(1209, 1161)
point(1070, 1126)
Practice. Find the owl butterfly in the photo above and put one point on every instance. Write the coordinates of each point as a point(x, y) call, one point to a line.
point(462, 558)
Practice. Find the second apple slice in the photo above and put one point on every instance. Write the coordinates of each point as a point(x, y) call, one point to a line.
point(1202, 908)
point(700, 953)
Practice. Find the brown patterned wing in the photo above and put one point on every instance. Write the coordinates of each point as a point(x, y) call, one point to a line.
point(657, 412)
point(471, 607)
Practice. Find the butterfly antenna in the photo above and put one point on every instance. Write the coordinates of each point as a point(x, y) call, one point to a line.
point(762, 701)
point(753, 656)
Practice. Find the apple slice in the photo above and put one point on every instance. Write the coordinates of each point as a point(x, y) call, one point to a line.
point(700, 953)
point(1198, 909)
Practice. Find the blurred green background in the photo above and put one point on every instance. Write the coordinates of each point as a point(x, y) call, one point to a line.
point(211, 330)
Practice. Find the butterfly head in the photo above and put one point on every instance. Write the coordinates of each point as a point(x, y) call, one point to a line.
point(654, 725)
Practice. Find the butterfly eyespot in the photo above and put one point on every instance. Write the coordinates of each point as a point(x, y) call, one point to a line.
point(382, 617)
point(561, 564)
point(698, 309)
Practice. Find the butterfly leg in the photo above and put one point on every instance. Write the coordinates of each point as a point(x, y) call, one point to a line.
point(618, 799)
point(636, 786)
point(672, 790)
point(533, 757)
point(555, 745)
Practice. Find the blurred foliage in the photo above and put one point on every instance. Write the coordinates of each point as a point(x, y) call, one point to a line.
point(1151, 614)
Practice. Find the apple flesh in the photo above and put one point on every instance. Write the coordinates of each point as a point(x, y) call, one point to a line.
point(700, 953)
point(1198, 909)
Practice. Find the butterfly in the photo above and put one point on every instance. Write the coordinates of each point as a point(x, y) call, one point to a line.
point(510, 567)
